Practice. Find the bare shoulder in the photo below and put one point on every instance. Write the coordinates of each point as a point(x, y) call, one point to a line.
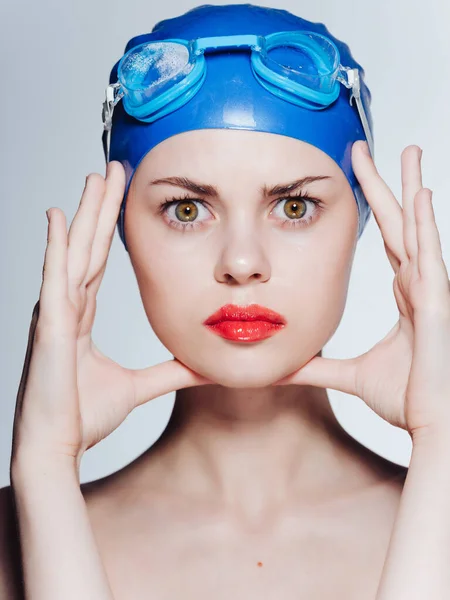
point(10, 566)
point(391, 486)
point(386, 482)
point(390, 474)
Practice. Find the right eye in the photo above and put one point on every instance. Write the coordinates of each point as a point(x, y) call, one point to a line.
point(182, 212)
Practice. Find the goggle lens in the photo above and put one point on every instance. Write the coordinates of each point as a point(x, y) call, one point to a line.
point(309, 59)
point(148, 69)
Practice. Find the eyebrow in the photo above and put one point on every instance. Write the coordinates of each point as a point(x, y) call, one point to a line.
point(211, 191)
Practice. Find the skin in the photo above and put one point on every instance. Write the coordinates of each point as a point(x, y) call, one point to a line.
point(239, 247)
point(248, 461)
point(251, 488)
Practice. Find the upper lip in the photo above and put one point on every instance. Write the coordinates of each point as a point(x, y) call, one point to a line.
point(251, 312)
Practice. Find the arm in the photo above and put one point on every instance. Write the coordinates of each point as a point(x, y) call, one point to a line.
point(71, 396)
point(60, 558)
point(417, 564)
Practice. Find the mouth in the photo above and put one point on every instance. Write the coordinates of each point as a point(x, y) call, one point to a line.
point(245, 323)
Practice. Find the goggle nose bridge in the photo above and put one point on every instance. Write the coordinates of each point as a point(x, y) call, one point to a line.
point(227, 42)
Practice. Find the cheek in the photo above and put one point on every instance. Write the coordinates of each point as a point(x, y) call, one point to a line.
point(320, 293)
point(172, 290)
point(322, 299)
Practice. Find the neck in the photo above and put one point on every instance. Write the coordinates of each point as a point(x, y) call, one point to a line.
point(253, 450)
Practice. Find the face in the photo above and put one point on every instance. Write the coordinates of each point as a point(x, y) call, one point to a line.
point(245, 243)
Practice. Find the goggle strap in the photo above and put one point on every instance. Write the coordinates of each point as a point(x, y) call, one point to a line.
point(354, 83)
point(364, 122)
point(106, 142)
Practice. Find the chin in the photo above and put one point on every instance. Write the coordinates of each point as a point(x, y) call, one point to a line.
point(238, 373)
point(256, 379)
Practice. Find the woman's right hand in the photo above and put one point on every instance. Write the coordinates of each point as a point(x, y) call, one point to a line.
point(71, 396)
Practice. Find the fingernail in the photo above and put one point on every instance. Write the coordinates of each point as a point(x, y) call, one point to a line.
point(365, 148)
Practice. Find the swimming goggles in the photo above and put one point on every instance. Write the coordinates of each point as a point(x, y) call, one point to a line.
point(158, 77)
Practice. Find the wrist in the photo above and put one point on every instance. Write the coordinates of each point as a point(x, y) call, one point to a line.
point(29, 463)
point(433, 439)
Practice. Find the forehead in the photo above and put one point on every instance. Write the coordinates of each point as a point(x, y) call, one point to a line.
point(214, 153)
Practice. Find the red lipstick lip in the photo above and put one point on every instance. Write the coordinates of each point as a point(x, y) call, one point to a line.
point(251, 312)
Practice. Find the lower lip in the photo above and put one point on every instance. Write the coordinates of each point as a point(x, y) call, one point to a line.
point(245, 331)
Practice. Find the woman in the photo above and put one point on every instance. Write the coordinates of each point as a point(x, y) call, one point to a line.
point(254, 489)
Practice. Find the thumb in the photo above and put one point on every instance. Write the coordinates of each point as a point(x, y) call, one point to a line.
point(335, 374)
point(160, 379)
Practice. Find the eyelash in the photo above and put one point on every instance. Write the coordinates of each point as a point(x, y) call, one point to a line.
point(318, 207)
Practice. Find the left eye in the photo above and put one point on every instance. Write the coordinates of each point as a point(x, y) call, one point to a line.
point(296, 207)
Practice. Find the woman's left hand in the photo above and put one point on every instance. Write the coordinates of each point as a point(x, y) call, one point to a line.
point(404, 378)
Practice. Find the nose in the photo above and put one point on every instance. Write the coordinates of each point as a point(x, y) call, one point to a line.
point(242, 259)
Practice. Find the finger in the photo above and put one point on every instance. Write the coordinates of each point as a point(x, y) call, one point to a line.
point(82, 232)
point(385, 207)
point(336, 374)
point(27, 361)
point(54, 273)
point(163, 378)
point(395, 263)
point(411, 184)
point(104, 234)
point(430, 262)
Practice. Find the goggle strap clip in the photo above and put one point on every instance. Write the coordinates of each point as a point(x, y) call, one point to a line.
point(113, 95)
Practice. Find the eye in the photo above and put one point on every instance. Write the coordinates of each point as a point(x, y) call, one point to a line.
point(296, 207)
point(182, 212)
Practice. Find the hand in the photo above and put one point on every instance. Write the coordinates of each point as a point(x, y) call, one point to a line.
point(404, 378)
point(71, 395)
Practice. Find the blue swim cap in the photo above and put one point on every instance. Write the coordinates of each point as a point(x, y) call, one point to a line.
point(232, 98)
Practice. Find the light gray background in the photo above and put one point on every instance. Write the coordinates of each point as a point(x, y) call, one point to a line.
point(55, 63)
